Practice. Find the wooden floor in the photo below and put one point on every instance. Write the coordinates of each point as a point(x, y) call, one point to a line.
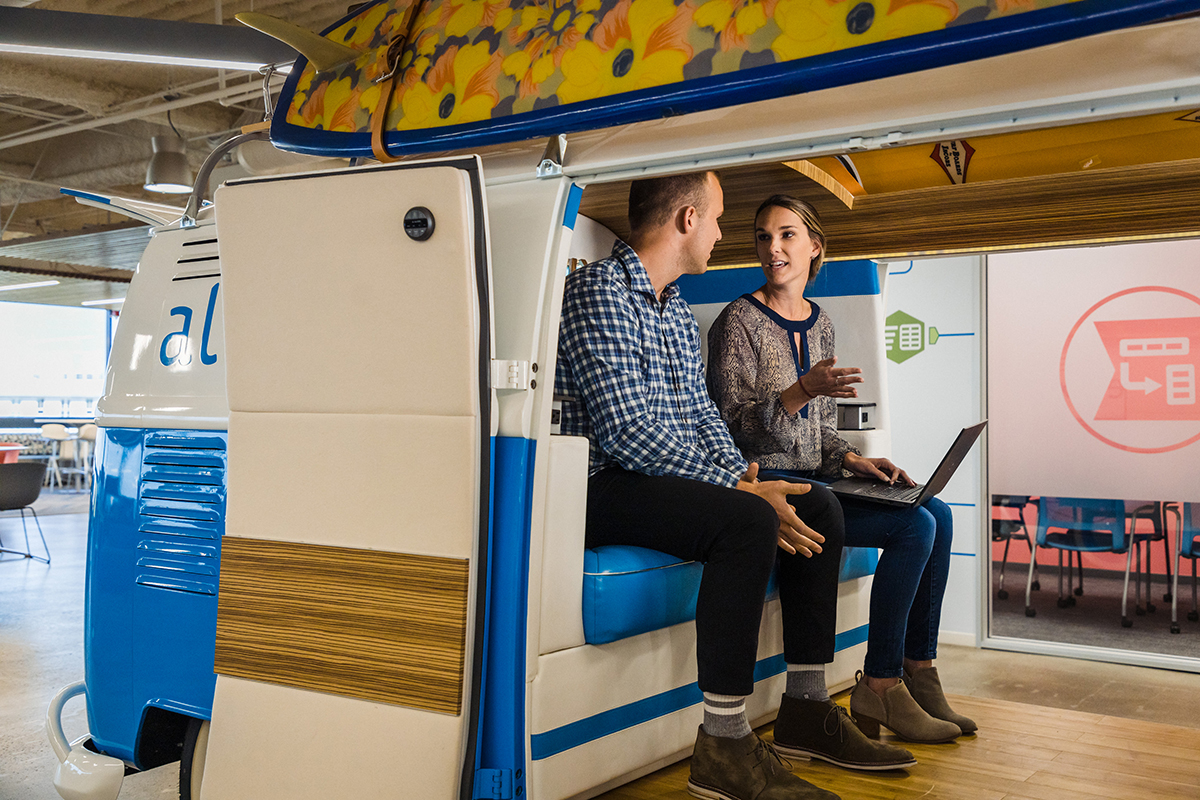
point(1021, 752)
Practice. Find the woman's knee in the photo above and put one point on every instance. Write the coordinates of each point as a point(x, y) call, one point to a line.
point(943, 518)
point(922, 530)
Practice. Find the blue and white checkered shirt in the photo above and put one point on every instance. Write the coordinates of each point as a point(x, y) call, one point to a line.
point(633, 365)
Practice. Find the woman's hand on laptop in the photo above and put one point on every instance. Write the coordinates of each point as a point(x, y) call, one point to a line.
point(879, 468)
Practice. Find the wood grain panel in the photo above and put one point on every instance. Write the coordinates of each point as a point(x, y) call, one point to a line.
point(1120, 204)
point(1021, 752)
point(385, 627)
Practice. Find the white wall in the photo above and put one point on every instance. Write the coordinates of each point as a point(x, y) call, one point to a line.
point(935, 392)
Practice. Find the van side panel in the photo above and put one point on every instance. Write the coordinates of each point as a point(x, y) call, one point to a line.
point(154, 542)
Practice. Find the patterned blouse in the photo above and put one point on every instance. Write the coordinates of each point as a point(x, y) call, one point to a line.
point(752, 358)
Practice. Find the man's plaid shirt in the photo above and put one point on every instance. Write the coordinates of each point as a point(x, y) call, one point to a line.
point(633, 365)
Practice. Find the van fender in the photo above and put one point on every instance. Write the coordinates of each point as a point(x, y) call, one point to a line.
point(81, 774)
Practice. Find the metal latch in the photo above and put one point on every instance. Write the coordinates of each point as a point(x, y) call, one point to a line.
point(552, 159)
point(511, 374)
point(492, 784)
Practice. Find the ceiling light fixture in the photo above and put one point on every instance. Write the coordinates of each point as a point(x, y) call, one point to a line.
point(13, 286)
point(113, 38)
point(115, 301)
point(168, 171)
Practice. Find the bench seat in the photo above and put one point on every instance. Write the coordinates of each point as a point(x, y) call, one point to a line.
point(632, 590)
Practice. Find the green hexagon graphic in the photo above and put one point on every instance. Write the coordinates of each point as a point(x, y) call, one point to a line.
point(903, 336)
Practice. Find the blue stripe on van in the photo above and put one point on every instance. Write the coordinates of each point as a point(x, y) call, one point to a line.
point(836, 279)
point(573, 198)
point(502, 699)
point(574, 734)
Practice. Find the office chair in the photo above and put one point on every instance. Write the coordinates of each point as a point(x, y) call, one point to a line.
point(20, 485)
point(1156, 513)
point(1188, 526)
point(1080, 525)
point(1005, 529)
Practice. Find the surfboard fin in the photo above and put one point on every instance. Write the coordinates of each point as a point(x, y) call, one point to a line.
point(323, 54)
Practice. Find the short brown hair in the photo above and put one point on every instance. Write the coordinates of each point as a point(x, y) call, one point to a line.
point(652, 201)
point(811, 219)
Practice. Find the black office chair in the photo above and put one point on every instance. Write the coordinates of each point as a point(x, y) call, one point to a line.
point(1005, 529)
point(20, 485)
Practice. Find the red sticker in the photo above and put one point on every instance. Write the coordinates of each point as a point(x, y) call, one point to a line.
point(953, 157)
point(1154, 369)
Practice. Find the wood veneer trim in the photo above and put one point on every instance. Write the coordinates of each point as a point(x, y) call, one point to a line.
point(379, 626)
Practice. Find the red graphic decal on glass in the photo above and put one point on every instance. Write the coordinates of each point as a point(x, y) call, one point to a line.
point(1155, 362)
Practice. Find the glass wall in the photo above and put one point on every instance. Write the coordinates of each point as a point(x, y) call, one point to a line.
point(1094, 441)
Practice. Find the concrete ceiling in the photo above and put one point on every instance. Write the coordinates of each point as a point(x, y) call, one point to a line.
point(86, 124)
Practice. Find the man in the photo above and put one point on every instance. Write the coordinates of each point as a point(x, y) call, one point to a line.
point(666, 475)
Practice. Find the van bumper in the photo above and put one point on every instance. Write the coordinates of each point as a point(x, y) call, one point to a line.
point(81, 773)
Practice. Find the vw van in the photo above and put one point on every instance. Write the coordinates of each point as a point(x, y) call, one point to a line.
point(337, 545)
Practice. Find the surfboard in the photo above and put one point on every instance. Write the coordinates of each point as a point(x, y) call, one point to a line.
point(470, 73)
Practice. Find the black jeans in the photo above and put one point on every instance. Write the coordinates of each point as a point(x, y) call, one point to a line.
point(734, 534)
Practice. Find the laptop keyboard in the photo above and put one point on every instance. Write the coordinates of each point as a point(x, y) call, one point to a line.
point(885, 492)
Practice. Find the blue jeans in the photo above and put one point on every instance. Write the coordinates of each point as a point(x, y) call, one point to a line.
point(910, 581)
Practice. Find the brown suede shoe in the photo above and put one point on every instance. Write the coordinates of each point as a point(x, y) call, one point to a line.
point(822, 729)
point(926, 688)
point(745, 769)
point(897, 711)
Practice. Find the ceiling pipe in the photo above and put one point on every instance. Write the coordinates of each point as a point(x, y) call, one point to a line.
point(183, 102)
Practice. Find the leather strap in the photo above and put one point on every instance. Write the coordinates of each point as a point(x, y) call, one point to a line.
point(377, 118)
point(395, 51)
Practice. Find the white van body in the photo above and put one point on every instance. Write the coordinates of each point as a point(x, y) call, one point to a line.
point(389, 415)
point(579, 717)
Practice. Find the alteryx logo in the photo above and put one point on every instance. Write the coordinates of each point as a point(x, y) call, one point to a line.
point(904, 336)
point(175, 350)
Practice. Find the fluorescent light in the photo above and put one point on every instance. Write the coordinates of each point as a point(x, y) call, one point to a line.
point(113, 302)
point(149, 41)
point(13, 286)
point(215, 62)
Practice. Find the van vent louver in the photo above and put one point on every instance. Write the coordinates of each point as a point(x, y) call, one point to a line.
point(181, 512)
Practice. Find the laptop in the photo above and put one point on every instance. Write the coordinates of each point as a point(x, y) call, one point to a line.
point(876, 491)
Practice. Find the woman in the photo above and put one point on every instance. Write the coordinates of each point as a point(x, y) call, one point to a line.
point(772, 374)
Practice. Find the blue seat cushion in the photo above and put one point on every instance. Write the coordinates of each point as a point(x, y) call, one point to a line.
point(631, 590)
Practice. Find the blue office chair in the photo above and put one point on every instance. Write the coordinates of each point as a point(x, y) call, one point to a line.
point(1189, 547)
point(1076, 526)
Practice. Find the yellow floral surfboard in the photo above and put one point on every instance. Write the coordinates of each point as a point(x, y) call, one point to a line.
point(476, 72)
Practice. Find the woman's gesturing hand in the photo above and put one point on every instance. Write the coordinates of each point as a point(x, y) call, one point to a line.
point(824, 379)
point(879, 468)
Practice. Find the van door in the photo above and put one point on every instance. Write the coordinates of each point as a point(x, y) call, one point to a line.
point(358, 339)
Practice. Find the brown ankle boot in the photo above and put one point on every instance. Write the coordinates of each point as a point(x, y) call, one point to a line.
point(926, 688)
point(897, 711)
point(745, 769)
point(823, 729)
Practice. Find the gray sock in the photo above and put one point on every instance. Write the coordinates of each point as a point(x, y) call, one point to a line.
point(806, 682)
point(725, 716)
